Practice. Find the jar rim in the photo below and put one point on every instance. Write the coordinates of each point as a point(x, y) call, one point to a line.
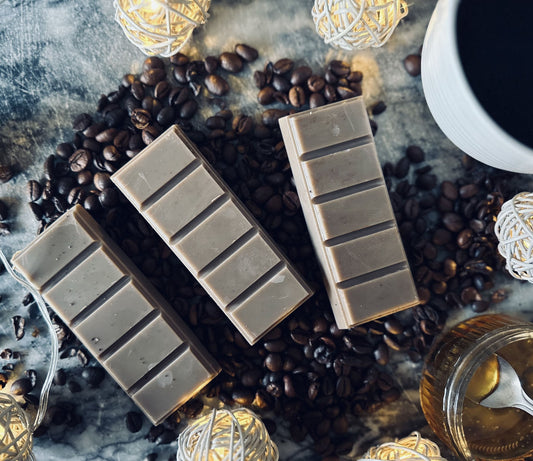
point(467, 364)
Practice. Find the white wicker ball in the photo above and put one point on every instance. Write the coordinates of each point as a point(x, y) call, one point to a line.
point(15, 434)
point(357, 24)
point(160, 27)
point(514, 229)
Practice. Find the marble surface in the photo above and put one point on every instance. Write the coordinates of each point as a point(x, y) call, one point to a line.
point(58, 56)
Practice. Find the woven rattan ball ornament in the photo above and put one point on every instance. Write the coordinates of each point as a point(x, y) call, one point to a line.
point(412, 448)
point(357, 24)
point(227, 435)
point(15, 433)
point(514, 229)
point(160, 27)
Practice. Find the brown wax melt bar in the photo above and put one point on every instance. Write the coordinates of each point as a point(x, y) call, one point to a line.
point(212, 233)
point(348, 212)
point(117, 314)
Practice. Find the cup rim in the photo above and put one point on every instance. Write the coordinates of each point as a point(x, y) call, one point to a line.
point(466, 90)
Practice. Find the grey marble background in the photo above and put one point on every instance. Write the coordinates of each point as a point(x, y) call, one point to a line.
point(58, 56)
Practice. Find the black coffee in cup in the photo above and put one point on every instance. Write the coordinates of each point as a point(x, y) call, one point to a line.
point(495, 42)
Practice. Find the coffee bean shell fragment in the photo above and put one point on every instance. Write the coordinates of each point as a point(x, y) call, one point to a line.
point(6, 173)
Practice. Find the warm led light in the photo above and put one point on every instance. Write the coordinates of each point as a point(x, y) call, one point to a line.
point(160, 27)
point(236, 435)
point(514, 229)
point(15, 435)
point(357, 24)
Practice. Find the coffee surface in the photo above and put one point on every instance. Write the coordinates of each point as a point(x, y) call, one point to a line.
point(495, 42)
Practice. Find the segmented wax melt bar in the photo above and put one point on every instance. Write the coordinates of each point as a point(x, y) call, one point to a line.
point(212, 233)
point(348, 212)
point(117, 314)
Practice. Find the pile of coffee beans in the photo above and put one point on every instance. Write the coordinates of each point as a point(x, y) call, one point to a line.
point(306, 370)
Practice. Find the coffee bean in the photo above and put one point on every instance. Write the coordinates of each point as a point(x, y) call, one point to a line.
point(246, 52)
point(33, 190)
point(346, 93)
point(339, 68)
point(316, 100)
point(79, 160)
point(259, 79)
point(188, 109)
point(465, 238)
point(402, 167)
point(64, 150)
point(60, 377)
point(316, 84)
point(280, 84)
point(378, 108)
point(93, 375)
point(82, 122)
point(242, 125)
point(283, 66)
point(4, 211)
point(426, 181)
point(134, 421)
point(230, 62)
point(108, 197)
point(300, 75)
point(453, 222)
point(216, 85)
point(468, 191)
point(266, 95)
point(412, 64)
point(449, 190)
point(21, 386)
point(297, 96)
point(415, 154)
point(152, 77)
point(270, 117)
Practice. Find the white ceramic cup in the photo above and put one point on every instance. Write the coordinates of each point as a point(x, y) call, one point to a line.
point(453, 104)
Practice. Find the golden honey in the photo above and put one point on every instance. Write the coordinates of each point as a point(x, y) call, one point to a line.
point(461, 370)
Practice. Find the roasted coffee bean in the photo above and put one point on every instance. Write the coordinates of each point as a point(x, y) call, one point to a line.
point(283, 66)
point(379, 107)
point(84, 177)
point(266, 95)
point(188, 109)
point(82, 122)
point(230, 62)
point(60, 377)
point(273, 362)
point(297, 96)
point(18, 323)
point(468, 191)
point(426, 181)
point(152, 77)
point(449, 190)
point(453, 222)
point(402, 167)
point(166, 116)
point(4, 211)
point(339, 68)
point(315, 83)
point(134, 421)
point(33, 190)
point(79, 160)
point(216, 85)
point(76, 195)
point(64, 150)
point(93, 375)
point(242, 125)
point(412, 64)
point(141, 118)
point(280, 84)
point(316, 100)
point(270, 117)
point(108, 197)
point(415, 154)
point(21, 386)
point(246, 52)
point(259, 79)
point(346, 93)
point(300, 75)
point(465, 238)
